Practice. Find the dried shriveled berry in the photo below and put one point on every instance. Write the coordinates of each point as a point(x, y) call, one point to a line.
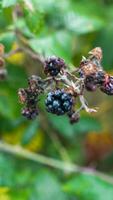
point(87, 68)
point(30, 113)
point(29, 97)
point(90, 84)
point(95, 80)
point(53, 66)
point(107, 86)
point(59, 102)
point(96, 53)
point(22, 95)
point(100, 77)
point(73, 116)
point(35, 83)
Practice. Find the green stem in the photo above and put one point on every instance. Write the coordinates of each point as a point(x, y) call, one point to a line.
point(64, 166)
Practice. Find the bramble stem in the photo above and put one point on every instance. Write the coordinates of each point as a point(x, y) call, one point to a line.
point(65, 166)
point(83, 102)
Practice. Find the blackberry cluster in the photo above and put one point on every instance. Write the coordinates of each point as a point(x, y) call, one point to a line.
point(107, 86)
point(29, 97)
point(53, 66)
point(59, 102)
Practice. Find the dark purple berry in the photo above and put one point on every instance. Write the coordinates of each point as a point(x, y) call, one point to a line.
point(90, 84)
point(94, 80)
point(100, 77)
point(53, 66)
point(30, 113)
point(74, 117)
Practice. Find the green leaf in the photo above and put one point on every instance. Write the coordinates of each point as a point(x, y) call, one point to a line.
point(81, 24)
point(9, 105)
point(105, 40)
point(14, 174)
point(30, 132)
point(6, 165)
point(7, 39)
point(34, 20)
point(62, 125)
point(0, 6)
point(47, 186)
point(7, 3)
point(59, 43)
point(6, 106)
point(87, 187)
point(87, 124)
point(50, 5)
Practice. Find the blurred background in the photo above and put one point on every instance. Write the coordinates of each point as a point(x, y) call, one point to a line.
point(69, 29)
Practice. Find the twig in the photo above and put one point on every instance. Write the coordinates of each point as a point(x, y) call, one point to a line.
point(65, 166)
point(18, 50)
point(33, 55)
point(84, 105)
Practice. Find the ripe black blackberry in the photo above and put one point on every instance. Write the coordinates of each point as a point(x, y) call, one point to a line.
point(59, 102)
point(53, 66)
point(107, 86)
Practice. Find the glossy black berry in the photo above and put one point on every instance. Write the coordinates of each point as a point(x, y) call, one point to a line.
point(59, 102)
point(53, 66)
point(107, 86)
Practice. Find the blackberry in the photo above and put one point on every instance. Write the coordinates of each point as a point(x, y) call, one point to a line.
point(90, 83)
point(30, 113)
point(22, 95)
point(87, 68)
point(74, 117)
point(107, 86)
point(59, 102)
point(53, 66)
point(100, 77)
point(29, 97)
point(94, 80)
point(35, 84)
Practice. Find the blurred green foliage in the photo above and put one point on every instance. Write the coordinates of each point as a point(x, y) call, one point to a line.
point(69, 29)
